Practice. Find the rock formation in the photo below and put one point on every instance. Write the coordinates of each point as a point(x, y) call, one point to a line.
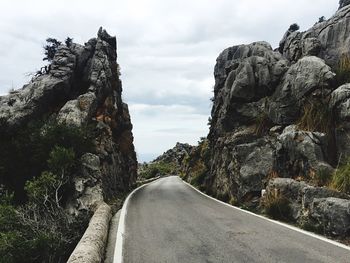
point(283, 114)
point(83, 88)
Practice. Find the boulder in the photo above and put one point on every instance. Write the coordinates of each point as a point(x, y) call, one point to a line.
point(340, 105)
point(79, 111)
point(244, 75)
point(309, 76)
point(332, 215)
point(300, 152)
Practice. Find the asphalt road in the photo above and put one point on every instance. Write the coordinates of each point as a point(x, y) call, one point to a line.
point(168, 221)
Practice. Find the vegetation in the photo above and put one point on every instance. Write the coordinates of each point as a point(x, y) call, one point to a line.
point(32, 145)
point(342, 71)
point(316, 116)
point(321, 19)
point(277, 206)
point(262, 124)
point(33, 225)
point(196, 164)
point(341, 178)
point(50, 48)
point(294, 27)
point(157, 169)
point(321, 177)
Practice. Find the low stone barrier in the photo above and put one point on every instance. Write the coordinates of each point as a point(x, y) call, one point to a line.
point(91, 247)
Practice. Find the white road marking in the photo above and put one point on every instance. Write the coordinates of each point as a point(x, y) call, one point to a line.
point(118, 252)
point(274, 221)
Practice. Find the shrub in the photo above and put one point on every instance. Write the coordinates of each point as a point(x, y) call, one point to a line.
point(50, 48)
point(341, 178)
point(342, 71)
point(157, 169)
point(277, 206)
point(198, 173)
point(294, 27)
point(316, 116)
point(32, 145)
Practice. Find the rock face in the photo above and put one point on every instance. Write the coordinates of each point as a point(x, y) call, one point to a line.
point(325, 209)
point(83, 88)
point(328, 40)
point(176, 154)
point(282, 113)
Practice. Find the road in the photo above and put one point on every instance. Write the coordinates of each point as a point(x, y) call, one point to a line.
point(168, 221)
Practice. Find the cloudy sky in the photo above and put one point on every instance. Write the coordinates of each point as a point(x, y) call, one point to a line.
point(166, 49)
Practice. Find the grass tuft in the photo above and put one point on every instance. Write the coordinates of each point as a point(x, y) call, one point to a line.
point(316, 117)
point(341, 178)
point(277, 206)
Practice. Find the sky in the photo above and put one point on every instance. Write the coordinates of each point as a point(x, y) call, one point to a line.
point(166, 50)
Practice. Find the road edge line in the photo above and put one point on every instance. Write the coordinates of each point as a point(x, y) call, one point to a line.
point(118, 251)
point(274, 221)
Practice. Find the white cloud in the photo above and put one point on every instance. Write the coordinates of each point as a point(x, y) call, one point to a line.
point(166, 49)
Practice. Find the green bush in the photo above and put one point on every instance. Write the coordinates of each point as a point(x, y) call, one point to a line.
point(157, 169)
point(341, 178)
point(31, 146)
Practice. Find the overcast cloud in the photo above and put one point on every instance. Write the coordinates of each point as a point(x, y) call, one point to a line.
point(166, 50)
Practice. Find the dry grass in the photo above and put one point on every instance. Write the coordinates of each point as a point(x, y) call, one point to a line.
point(277, 206)
point(316, 117)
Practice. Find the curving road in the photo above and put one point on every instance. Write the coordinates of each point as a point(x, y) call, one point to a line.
point(168, 221)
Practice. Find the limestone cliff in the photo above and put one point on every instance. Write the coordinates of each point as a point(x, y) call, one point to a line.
point(284, 114)
point(82, 88)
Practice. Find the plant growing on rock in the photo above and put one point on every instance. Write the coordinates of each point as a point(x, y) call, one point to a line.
point(262, 124)
point(294, 27)
point(341, 178)
point(277, 206)
point(50, 48)
point(316, 116)
point(342, 71)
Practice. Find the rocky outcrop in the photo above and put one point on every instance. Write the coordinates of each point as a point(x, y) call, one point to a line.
point(328, 40)
point(305, 80)
point(324, 209)
point(281, 114)
point(175, 155)
point(343, 3)
point(300, 152)
point(82, 88)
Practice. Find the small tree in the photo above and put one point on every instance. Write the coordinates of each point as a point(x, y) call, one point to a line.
point(51, 48)
point(294, 27)
point(68, 41)
point(321, 19)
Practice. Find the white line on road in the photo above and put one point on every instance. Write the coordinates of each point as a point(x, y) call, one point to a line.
point(118, 252)
point(274, 221)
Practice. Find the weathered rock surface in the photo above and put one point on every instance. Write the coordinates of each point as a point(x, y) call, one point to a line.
point(83, 88)
point(176, 154)
point(299, 153)
point(331, 215)
point(328, 40)
point(309, 77)
point(262, 98)
point(319, 206)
